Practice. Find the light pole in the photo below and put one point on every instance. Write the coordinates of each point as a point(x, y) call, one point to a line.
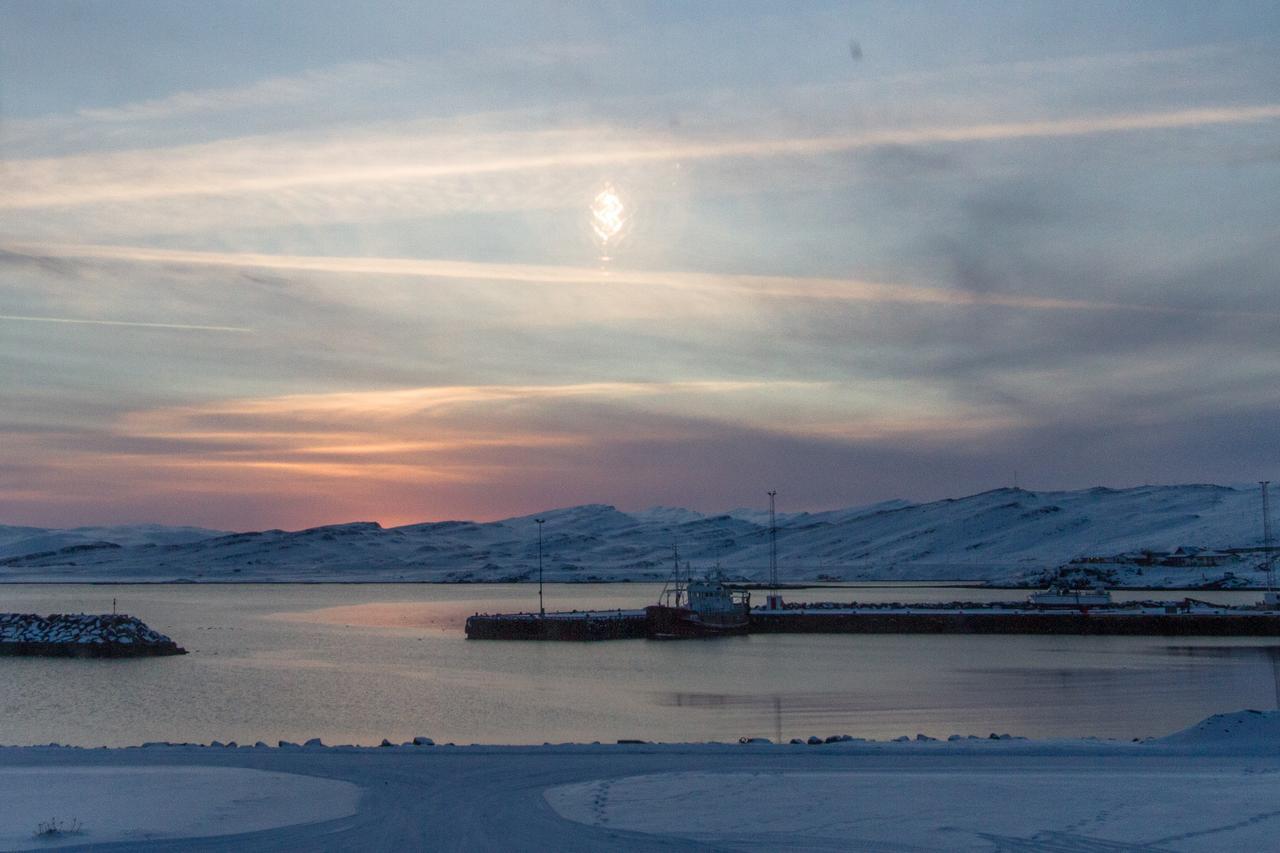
point(1266, 540)
point(774, 599)
point(542, 612)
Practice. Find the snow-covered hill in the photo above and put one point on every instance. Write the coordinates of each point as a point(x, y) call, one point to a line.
point(1005, 536)
point(20, 541)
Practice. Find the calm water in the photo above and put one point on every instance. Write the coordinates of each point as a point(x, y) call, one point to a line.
point(354, 664)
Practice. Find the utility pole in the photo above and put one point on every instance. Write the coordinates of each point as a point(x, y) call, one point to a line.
point(1267, 559)
point(542, 611)
point(775, 600)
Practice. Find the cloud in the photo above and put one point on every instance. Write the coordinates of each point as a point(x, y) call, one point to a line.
point(128, 323)
point(304, 460)
point(403, 155)
point(269, 92)
point(328, 449)
point(758, 286)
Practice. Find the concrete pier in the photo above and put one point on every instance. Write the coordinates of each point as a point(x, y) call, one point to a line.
point(1090, 623)
point(1168, 621)
point(590, 625)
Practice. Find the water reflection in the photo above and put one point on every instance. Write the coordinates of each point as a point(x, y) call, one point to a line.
point(359, 663)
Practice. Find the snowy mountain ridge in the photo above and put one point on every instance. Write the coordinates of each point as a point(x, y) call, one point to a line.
point(1199, 535)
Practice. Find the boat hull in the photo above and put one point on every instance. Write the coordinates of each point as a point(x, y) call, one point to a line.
point(681, 623)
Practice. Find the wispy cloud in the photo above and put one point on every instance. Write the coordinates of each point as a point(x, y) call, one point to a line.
point(397, 155)
point(81, 321)
point(353, 413)
point(485, 433)
point(759, 286)
point(273, 91)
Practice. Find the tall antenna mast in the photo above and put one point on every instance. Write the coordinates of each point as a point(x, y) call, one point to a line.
point(1268, 559)
point(542, 611)
point(773, 544)
point(774, 599)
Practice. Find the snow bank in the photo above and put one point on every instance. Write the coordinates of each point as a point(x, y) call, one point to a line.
point(1241, 728)
point(135, 804)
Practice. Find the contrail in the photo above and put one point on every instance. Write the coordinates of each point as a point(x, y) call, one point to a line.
point(760, 286)
point(231, 168)
point(86, 322)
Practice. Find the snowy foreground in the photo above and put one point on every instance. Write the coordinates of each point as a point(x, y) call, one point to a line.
point(1213, 787)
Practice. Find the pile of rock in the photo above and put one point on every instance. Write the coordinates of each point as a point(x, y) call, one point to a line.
point(82, 635)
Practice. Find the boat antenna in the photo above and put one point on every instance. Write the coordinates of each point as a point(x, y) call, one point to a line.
point(773, 544)
point(1267, 557)
point(674, 584)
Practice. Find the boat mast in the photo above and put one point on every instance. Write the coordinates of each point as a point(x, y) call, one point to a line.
point(675, 573)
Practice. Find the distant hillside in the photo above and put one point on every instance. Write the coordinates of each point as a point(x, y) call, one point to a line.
point(25, 541)
point(1006, 536)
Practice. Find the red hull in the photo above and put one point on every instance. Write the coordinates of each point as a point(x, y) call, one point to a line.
point(663, 623)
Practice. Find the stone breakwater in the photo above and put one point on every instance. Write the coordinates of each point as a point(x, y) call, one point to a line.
point(82, 635)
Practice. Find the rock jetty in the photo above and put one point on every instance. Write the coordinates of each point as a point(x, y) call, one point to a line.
point(82, 635)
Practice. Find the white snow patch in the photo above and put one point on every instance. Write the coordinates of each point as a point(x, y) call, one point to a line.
point(1251, 728)
point(1105, 805)
point(133, 804)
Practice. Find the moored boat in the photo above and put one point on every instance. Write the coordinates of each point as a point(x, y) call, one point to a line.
point(706, 607)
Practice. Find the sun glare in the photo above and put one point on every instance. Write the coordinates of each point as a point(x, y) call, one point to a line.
point(608, 217)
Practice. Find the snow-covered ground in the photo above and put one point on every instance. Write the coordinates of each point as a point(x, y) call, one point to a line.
point(1005, 536)
point(1213, 787)
point(1059, 808)
point(99, 805)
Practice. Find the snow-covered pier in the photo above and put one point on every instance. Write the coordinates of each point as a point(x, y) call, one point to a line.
point(82, 635)
point(574, 625)
point(1170, 619)
point(1186, 618)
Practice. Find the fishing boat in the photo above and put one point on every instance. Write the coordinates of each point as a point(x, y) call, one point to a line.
point(704, 607)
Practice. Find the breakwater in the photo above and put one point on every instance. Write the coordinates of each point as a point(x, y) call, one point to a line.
point(82, 635)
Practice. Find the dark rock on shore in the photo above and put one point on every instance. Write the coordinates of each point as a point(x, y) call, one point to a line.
point(82, 635)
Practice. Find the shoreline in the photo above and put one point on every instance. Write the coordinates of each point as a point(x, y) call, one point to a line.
point(1229, 731)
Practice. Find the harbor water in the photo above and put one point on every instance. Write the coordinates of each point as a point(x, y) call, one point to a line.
point(357, 663)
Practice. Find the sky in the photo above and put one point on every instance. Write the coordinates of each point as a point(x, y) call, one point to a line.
point(294, 263)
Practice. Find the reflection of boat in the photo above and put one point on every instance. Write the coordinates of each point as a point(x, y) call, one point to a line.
point(1061, 596)
point(697, 608)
